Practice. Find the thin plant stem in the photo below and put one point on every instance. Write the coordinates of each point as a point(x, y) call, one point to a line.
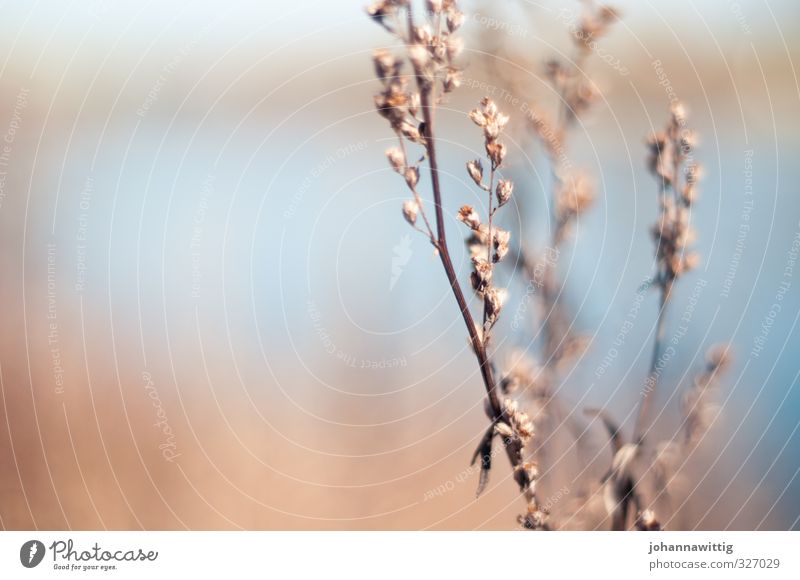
point(643, 415)
point(447, 263)
point(427, 104)
point(491, 238)
point(666, 282)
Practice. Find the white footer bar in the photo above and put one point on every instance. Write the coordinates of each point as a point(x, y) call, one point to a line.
point(490, 555)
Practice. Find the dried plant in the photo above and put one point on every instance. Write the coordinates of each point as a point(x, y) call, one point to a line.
point(698, 412)
point(408, 102)
point(572, 191)
point(572, 194)
point(670, 159)
point(672, 163)
point(431, 48)
point(698, 407)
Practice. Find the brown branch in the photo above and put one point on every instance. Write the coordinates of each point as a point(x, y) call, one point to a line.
point(444, 254)
point(426, 88)
point(427, 105)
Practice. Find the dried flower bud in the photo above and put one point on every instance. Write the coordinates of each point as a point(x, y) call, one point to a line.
point(410, 211)
point(477, 117)
point(411, 132)
point(698, 407)
point(521, 372)
point(502, 120)
point(492, 122)
point(503, 191)
point(575, 195)
point(412, 176)
point(519, 420)
point(386, 65)
point(503, 430)
point(475, 170)
point(494, 126)
point(660, 154)
point(469, 216)
point(496, 152)
point(489, 107)
point(531, 470)
point(492, 130)
point(477, 242)
point(423, 34)
point(481, 278)
point(382, 106)
point(452, 80)
point(534, 518)
point(501, 240)
point(419, 56)
point(493, 301)
point(672, 233)
point(438, 48)
point(455, 19)
point(510, 406)
point(381, 9)
point(396, 97)
point(396, 159)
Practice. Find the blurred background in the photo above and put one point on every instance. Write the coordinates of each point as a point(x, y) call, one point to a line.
point(215, 317)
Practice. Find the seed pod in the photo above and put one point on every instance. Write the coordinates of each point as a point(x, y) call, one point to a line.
point(469, 216)
point(412, 176)
point(455, 19)
point(396, 159)
point(503, 191)
point(475, 170)
point(410, 211)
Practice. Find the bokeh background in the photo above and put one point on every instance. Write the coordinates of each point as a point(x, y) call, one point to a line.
point(215, 317)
